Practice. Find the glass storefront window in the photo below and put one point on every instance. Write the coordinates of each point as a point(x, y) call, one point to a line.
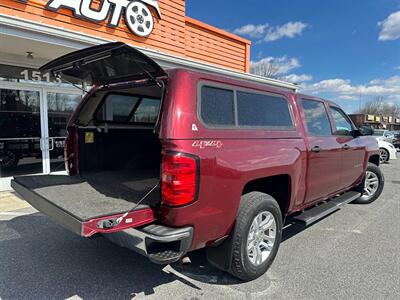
point(20, 132)
point(60, 109)
point(28, 146)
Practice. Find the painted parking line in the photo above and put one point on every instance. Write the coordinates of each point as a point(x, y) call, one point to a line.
point(15, 214)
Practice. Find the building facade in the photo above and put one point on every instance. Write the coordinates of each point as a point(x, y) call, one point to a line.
point(391, 123)
point(35, 107)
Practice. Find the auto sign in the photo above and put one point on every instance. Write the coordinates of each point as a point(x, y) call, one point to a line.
point(137, 14)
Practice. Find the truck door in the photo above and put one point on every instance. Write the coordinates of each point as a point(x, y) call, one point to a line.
point(324, 163)
point(352, 153)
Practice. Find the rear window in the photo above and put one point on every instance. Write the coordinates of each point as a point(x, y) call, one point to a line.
point(262, 110)
point(125, 108)
point(219, 106)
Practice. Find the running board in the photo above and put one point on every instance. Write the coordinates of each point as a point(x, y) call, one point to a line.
point(316, 213)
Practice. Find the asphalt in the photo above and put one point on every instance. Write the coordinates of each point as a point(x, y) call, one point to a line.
point(351, 254)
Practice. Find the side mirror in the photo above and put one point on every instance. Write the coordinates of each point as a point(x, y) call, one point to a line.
point(365, 130)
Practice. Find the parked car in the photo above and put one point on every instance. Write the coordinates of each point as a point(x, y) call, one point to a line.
point(396, 141)
point(386, 151)
point(385, 135)
point(165, 162)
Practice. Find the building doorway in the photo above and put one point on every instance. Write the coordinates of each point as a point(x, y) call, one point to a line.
point(33, 120)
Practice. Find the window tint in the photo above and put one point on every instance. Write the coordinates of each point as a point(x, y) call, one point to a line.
point(217, 106)
point(316, 118)
point(262, 110)
point(147, 112)
point(343, 125)
point(128, 108)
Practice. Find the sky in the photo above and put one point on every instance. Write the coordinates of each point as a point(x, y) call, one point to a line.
point(347, 51)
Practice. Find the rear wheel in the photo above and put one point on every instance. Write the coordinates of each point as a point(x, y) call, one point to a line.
point(373, 185)
point(383, 155)
point(256, 236)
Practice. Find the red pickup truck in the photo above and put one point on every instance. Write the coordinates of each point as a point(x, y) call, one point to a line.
point(169, 161)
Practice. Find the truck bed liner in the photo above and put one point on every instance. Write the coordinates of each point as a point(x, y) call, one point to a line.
point(95, 195)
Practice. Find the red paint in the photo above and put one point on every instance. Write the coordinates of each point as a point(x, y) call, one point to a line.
point(138, 217)
point(229, 159)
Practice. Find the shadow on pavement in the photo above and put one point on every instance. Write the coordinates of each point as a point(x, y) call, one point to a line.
point(40, 260)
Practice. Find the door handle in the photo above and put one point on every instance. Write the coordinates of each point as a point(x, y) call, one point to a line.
point(316, 149)
point(51, 141)
point(346, 147)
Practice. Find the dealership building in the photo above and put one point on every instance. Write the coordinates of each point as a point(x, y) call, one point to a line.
point(35, 107)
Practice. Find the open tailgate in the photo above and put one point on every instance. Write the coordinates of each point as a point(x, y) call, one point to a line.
point(84, 205)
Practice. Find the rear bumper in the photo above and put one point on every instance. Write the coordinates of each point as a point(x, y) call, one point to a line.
point(161, 244)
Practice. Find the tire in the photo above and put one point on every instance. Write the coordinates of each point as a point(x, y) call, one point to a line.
point(8, 159)
point(372, 172)
point(252, 205)
point(383, 155)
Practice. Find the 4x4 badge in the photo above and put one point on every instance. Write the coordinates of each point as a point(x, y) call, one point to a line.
point(204, 144)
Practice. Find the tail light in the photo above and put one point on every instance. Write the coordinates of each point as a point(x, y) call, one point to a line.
point(71, 154)
point(179, 179)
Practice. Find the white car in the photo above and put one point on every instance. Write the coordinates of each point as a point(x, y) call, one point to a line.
point(386, 151)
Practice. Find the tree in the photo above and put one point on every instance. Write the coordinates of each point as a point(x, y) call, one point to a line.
point(269, 69)
point(379, 106)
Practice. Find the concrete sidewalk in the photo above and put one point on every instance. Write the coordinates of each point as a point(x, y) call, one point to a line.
point(10, 201)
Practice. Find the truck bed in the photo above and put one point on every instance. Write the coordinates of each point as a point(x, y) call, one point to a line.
point(94, 195)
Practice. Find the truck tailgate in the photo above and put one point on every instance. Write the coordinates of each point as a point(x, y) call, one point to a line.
point(81, 204)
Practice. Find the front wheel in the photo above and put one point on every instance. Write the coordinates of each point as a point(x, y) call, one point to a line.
point(256, 236)
point(373, 185)
point(383, 155)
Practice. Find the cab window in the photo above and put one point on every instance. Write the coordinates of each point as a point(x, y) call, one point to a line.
point(316, 118)
point(125, 108)
point(343, 126)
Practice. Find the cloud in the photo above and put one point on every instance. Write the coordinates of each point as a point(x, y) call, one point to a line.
point(294, 78)
point(282, 65)
point(254, 31)
point(390, 27)
point(289, 30)
point(343, 88)
point(272, 33)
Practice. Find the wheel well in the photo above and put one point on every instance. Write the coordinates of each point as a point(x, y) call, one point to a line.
point(374, 159)
point(278, 186)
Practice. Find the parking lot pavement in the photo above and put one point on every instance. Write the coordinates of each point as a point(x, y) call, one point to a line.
point(351, 254)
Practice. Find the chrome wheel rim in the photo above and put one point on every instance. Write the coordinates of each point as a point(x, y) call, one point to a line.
point(371, 185)
point(261, 238)
point(383, 155)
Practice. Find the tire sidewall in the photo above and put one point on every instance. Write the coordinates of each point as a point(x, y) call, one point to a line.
point(376, 170)
point(270, 205)
point(388, 154)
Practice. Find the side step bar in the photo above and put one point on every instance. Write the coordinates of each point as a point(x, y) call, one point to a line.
point(316, 213)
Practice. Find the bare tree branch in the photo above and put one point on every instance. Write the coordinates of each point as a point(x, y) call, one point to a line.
point(379, 107)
